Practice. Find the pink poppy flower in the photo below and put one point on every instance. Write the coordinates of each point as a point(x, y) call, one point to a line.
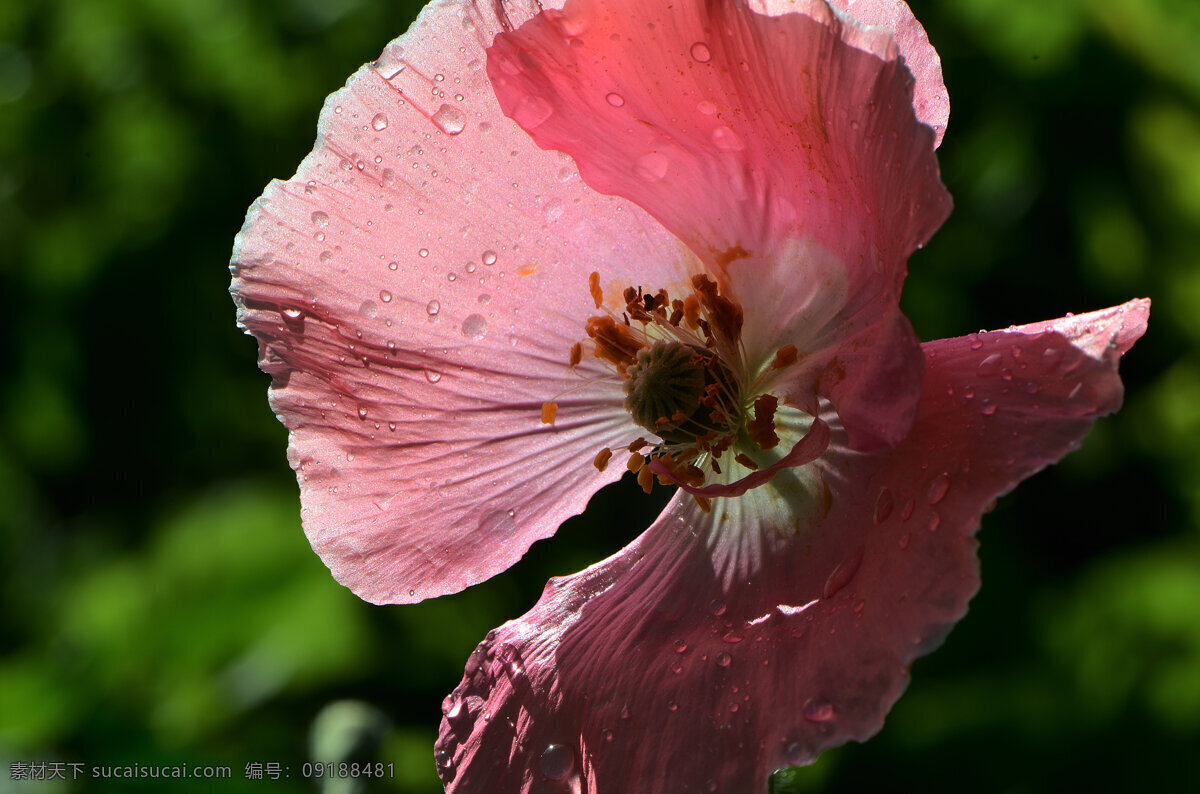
point(539, 245)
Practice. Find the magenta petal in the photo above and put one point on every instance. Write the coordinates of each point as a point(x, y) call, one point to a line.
point(648, 672)
point(416, 289)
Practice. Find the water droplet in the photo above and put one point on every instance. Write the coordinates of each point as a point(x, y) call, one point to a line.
point(884, 505)
point(444, 759)
point(724, 659)
point(816, 710)
point(432, 308)
point(706, 107)
point(553, 210)
point(292, 313)
point(498, 522)
point(449, 120)
point(990, 366)
point(368, 309)
point(987, 408)
point(385, 296)
point(672, 706)
point(615, 99)
point(488, 258)
point(379, 123)
point(907, 511)
point(452, 277)
point(939, 488)
point(532, 111)
point(680, 646)
point(474, 327)
point(968, 392)
point(717, 607)
point(935, 521)
point(423, 253)
point(701, 53)
point(652, 167)
point(904, 540)
point(432, 376)
point(320, 218)
point(732, 637)
point(710, 785)
point(362, 412)
point(726, 140)
point(843, 574)
point(393, 265)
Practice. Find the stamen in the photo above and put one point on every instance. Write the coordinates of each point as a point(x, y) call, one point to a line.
point(762, 427)
point(744, 459)
point(549, 412)
point(784, 357)
point(645, 478)
point(602, 459)
point(616, 344)
point(576, 354)
point(594, 285)
point(636, 462)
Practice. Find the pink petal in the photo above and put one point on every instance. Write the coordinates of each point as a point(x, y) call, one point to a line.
point(930, 98)
point(784, 150)
point(416, 289)
point(650, 672)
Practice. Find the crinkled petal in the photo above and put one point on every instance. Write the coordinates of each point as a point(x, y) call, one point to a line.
point(931, 101)
point(784, 150)
point(652, 672)
point(416, 289)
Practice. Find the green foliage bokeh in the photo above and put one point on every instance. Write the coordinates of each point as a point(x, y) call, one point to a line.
point(162, 606)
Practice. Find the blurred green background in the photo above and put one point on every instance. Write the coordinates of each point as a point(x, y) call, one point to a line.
point(161, 605)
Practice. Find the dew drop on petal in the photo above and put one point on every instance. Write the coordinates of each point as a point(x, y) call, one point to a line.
point(444, 759)
point(904, 540)
point(489, 257)
point(474, 327)
point(939, 488)
point(449, 120)
point(292, 313)
point(701, 53)
point(615, 99)
point(393, 265)
point(532, 111)
point(843, 574)
point(379, 123)
point(935, 521)
point(717, 607)
point(432, 308)
point(723, 659)
point(320, 218)
point(987, 408)
point(706, 107)
point(652, 167)
point(817, 710)
point(975, 341)
point(726, 140)
point(680, 646)
point(795, 754)
point(385, 296)
point(884, 505)
point(368, 309)
point(432, 376)
point(991, 365)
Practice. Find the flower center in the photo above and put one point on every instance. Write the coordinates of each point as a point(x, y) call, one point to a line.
point(683, 370)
